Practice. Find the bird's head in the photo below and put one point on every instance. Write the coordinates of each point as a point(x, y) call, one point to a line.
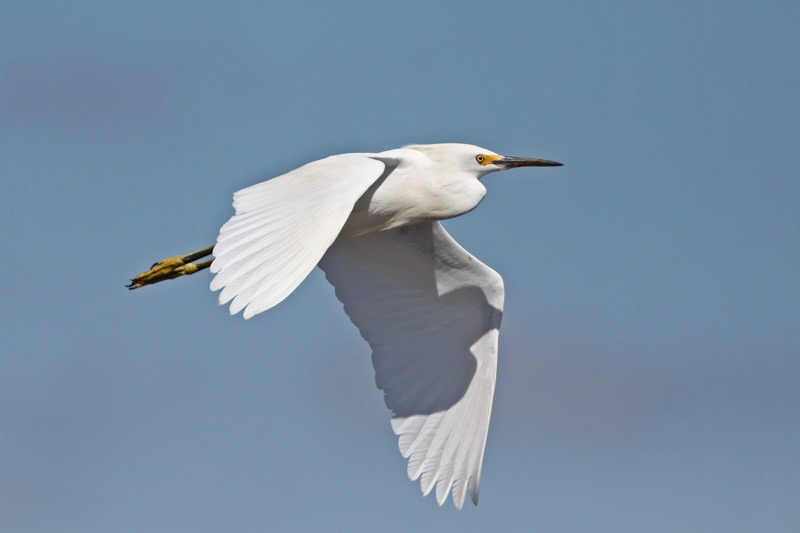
point(476, 160)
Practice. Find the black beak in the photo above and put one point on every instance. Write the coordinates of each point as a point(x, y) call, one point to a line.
point(514, 162)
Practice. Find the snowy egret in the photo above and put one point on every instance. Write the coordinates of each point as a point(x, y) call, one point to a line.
point(429, 310)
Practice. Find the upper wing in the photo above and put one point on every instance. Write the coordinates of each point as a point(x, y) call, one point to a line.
point(283, 226)
point(431, 313)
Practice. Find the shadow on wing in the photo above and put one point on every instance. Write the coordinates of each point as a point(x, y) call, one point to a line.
point(421, 305)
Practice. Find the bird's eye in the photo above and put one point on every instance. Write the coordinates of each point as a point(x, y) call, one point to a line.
point(484, 159)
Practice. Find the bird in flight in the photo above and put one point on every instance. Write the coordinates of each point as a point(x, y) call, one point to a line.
point(429, 310)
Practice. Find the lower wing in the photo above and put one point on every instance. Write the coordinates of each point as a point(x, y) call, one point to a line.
point(431, 313)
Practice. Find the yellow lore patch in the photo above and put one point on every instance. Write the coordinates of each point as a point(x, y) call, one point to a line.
point(485, 159)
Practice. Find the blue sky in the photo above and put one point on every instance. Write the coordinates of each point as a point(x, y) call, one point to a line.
point(650, 350)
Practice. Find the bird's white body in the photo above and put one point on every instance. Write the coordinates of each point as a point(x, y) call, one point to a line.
point(430, 311)
point(415, 190)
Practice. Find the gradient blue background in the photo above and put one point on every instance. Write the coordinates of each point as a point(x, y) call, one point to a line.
point(650, 351)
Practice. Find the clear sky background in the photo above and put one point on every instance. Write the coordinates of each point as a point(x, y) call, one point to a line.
point(650, 352)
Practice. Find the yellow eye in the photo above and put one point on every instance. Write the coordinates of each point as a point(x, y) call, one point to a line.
point(484, 159)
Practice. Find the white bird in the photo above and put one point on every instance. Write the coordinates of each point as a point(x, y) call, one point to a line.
point(429, 310)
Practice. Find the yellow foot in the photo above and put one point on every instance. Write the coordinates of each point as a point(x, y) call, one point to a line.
point(172, 268)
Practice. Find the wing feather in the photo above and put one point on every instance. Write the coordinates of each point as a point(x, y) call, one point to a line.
point(431, 313)
point(283, 226)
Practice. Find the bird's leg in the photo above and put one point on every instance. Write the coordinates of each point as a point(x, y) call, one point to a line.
point(172, 268)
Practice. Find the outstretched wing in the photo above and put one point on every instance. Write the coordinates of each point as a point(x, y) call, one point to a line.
point(283, 226)
point(431, 313)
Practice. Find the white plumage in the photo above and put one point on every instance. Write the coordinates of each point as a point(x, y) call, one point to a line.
point(283, 226)
point(431, 313)
point(429, 310)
